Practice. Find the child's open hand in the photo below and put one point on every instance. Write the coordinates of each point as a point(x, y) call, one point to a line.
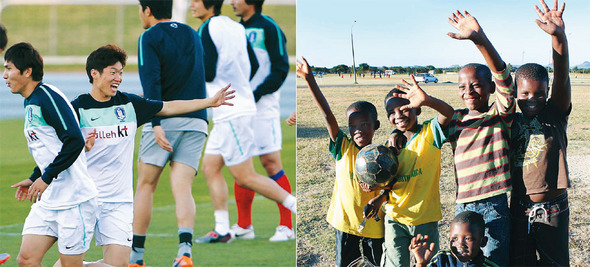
point(467, 26)
point(550, 20)
point(423, 252)
point(303, 69)
point(413, 93)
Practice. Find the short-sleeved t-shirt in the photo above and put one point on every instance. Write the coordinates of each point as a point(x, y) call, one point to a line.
point(538, 151)
point(110, 161)
point(418, 174)
point(348, 199)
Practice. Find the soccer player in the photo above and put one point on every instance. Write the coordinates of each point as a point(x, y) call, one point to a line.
point(232, 140)
point(63, 192)
point(268, 42)
point(109, 118)
point(170, 59)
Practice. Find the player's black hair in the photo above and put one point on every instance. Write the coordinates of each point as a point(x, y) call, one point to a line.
point(532, 71)
point(473, 219)
point(481, 70)
point(364, 107)
point(3, 37)
point(391, 92)
point(216, 5)
point(24, 56)
point(103, 57)
point(257, 4)
point(161, 9)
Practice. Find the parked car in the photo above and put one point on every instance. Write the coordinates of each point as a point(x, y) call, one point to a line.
point(425, 77)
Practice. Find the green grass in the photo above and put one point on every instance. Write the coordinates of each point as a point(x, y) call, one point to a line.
point(16, 164)
point(82, 28)
point(315, 165)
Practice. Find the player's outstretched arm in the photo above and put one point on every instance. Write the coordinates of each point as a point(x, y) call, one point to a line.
point(551, 21)
point(178, 107)
point(468, 28)
point(423, 252)
point(304, 71)
point(419, 98)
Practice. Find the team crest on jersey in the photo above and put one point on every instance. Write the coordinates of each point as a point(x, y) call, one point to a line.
point(174, 25)
point(252, 37)
point(30, 114)
point(120, 113)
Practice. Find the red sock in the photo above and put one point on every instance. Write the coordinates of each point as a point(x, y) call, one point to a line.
point(284, 212)
point(244, 198)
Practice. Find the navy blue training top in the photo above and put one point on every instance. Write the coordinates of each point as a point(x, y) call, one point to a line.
point(170, 59)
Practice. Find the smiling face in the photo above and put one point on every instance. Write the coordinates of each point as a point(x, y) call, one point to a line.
point(474, 89)
point(401, 120)
point(531, 96)
point(361, 126)
point(106, 84)
point(15, 80)
point(466, 241)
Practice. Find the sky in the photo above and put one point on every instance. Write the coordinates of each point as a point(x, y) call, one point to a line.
point(413, 32)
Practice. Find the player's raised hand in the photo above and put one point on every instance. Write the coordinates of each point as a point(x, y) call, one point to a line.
point(22, 189)
point(467, 27)
point(423, 252)
point(413, 93)
point(90, 139)
point(551, 20)
point(221, 97)
point(303, 69)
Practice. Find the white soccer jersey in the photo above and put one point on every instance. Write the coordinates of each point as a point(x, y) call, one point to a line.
point(232, 65)
point(110, 161)
point(53, 136)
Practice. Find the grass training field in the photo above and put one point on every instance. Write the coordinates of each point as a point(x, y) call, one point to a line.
point(315, 165)
point(16, 164)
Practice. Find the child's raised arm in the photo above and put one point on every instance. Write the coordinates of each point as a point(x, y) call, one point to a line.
point(418, 98)
point(469, 28)
point(551, 21)
point(304, 71)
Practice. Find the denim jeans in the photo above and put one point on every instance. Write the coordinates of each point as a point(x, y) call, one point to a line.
point(540, 229)
point(497, 218)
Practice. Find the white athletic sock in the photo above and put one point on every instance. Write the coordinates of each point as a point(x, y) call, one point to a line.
point(221, 221)
point(290, 203)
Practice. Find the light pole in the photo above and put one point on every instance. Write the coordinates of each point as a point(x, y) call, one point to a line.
point(352, 44)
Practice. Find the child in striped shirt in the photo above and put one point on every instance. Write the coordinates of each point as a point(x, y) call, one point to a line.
point(479, 136)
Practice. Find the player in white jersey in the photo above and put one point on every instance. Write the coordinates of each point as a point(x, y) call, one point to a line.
point(269, 45)
point(64, 194)
point(109, 119)
point(231, 142)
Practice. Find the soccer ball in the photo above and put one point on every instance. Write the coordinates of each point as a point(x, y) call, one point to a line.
point(376, 165)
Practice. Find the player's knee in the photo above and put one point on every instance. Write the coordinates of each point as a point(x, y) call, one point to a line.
point(244, 181)
point(26, 260)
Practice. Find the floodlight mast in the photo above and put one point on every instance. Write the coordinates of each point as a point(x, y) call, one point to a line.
point(352, 45)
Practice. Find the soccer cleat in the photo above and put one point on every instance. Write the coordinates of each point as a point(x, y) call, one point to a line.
point(4, 257)
point(214, 237)
point(137, 264)
point(283, 233)
point(238, 232)
point(184, 261)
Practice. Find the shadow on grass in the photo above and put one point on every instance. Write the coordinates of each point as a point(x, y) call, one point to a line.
point(311, 132)
point(310, 259)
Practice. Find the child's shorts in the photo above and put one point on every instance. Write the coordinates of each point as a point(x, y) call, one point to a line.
point(349, 254)
point(73, 227)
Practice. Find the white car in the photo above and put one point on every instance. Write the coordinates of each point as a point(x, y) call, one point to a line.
point(425, 77)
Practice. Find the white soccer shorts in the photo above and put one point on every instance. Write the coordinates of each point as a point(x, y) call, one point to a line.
point(268, 137)
point(115, 224)
point(233, 139)
point(72, 227)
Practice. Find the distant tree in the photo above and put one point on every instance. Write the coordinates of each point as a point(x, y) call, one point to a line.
point(363, 67)
point(341, 69)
